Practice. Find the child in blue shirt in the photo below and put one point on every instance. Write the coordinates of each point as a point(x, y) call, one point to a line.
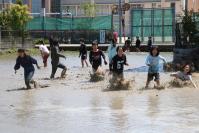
point(153, 61)
point(26, 62)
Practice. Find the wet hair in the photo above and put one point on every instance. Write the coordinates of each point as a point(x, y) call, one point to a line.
point(95, 43)
point(153, 48)
point(82, 40)
point(21, 50)
point(183, 67)
point(119, 48)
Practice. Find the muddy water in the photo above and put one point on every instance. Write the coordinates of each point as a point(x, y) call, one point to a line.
point(75, 105)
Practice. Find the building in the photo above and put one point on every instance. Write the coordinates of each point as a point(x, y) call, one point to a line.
point(35, 6)
point(104, 7)
point(193, 5)
point(5, 4)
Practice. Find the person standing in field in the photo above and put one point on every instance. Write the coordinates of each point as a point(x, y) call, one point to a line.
point(44, 53)
point(149, 43)
point(111, 53)
point(95, 57)
point(127, 44)
point(137, 44)
point(83, 52)
point(55, 61)
point(27, 63)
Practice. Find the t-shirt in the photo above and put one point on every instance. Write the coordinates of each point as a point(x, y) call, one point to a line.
point(149, 43)
point(138, 42)
point(118, 63)
point(83, 50)
point(128, 42)
point(183, 76)
point(44, 49)
point(26, 62)
point(95, 58)
point(154, 63)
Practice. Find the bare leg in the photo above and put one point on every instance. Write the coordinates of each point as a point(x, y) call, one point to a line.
point(147, 84)
point(86, 63)
point(82, 61)
point(63, 73)
point(158, 83)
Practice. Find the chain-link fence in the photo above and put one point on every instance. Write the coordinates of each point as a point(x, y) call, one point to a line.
point(157, 23)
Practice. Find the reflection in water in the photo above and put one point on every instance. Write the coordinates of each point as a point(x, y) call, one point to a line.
point(25, 111)
point(119, 117)
point(153, 108)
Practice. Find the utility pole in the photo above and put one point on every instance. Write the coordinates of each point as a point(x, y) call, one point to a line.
point(186, 6)
point(120, 20)
point(3, 4)
point(43, 13)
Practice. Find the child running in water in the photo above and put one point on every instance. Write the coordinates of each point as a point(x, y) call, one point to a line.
point(55, 55)
point(153, 61)
point(95, 56)
point(185, 75)
point(83, 52)
point(118, 63)
point(44, 53)
point(26, 62)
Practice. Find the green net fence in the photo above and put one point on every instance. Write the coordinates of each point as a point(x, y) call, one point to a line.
point(86, 23)
point(158, 23)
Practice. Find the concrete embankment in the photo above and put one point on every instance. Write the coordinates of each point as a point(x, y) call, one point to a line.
point(75, 47)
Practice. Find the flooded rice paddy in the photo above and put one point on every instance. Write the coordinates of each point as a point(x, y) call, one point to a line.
point(76, 105)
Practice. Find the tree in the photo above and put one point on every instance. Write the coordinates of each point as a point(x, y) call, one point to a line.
point(189, 27)
point(19, 17)
point(19, 2)
point(89, 9)
point(4, 20)
point(15, 18)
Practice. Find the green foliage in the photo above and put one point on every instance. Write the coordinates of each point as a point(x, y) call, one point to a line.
point(19, 17)
point(39, 40)
point(19, 2)
point(15, 18)
point(89, 9)
point(4, 20)
point(189, 26)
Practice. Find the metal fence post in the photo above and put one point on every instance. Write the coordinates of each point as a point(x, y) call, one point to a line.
point(0, 39)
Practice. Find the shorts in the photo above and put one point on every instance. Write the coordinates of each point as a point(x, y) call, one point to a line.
point(137, 46)
point(45, 58)
point(83, 57)
point(153, 76)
